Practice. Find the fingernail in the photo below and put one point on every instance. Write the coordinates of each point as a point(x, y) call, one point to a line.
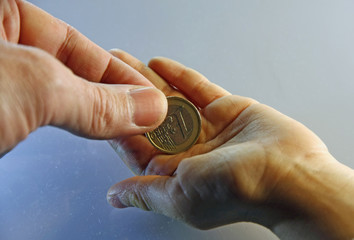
point(149, 106)
point(114, 201)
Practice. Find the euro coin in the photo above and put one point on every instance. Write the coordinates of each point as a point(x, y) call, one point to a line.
point(180, 129)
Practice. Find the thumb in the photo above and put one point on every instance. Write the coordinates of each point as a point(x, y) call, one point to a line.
point(105, 111)
point(160, 194)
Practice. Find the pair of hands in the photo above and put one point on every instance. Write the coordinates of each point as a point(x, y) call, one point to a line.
point(251, 163)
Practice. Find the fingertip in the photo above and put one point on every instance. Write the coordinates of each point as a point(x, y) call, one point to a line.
point(156, 60)
point(116, 52)
point(115, 202)
point(149, 107)
point(113, 198)
point(163, 65)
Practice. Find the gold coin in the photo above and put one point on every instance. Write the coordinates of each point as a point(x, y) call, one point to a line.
point(180, 129)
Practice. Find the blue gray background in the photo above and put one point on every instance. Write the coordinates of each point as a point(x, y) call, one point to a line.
point(296, 56)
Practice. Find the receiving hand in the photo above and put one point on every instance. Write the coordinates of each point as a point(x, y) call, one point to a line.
point(37, 89)
point(242, 167)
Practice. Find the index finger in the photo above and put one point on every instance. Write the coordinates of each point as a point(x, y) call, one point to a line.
point(191, 83)
point(82, 56)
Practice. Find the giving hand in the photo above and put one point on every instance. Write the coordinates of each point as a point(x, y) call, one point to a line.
point(52, 74)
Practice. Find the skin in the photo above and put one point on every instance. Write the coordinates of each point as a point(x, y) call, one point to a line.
point(50, 74)
point(250, 163)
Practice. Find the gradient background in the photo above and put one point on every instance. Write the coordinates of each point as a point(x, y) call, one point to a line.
point(296, 56)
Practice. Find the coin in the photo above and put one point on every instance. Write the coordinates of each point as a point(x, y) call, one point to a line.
point(180, 129)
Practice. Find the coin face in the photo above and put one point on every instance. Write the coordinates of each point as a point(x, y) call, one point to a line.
point(181, 128)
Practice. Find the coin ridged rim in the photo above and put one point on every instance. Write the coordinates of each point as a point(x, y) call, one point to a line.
point(190, 142)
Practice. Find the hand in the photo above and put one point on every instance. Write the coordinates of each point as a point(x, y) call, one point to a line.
point(37, 89)
point(251, 163)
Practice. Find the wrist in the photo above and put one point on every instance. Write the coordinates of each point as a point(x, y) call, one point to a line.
point(323, 190)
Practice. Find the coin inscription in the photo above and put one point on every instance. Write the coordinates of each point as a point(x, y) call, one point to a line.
point(180, 129)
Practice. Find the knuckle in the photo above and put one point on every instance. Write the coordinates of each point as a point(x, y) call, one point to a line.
point(101, 109)
point(68, 45)
point(139, 200)
point(106, 113)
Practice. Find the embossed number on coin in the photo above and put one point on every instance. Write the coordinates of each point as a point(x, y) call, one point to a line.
point(181, 128)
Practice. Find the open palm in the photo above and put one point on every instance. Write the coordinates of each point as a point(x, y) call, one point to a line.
point(176, 80)
point(242, 159)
